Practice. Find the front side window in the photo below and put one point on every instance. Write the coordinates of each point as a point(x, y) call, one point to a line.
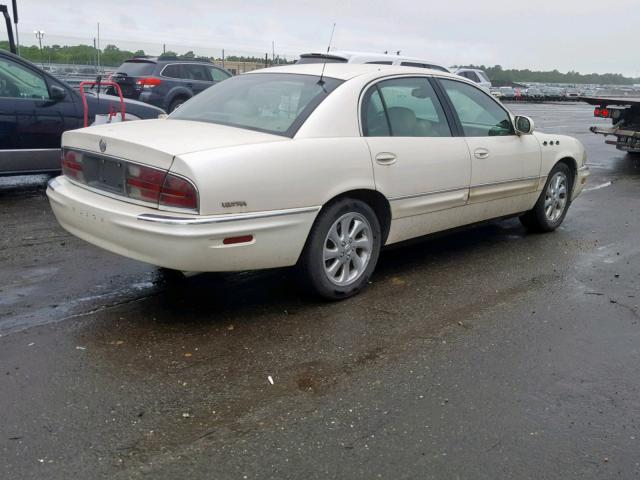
point(480, 115)
point(17, 81)
point(195, 72)
point(410, 108)
point(277, 103)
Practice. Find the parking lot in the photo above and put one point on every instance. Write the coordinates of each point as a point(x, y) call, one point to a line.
point(484, 353)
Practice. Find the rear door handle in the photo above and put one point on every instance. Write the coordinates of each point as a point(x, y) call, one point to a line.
point(481, 153)
point(386, 158)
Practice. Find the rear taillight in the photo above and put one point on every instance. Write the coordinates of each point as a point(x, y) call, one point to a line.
point(604, 112)
point(148, 82)
point(178, 192)
point(144, 183)
point(72, 165)
point(156, 186)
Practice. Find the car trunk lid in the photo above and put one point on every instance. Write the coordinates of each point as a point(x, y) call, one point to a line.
point(157, 142)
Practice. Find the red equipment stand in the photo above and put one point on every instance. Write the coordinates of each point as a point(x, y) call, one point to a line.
point(84, 99)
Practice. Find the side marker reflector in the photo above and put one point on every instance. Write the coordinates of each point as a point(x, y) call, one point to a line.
point(236, 240)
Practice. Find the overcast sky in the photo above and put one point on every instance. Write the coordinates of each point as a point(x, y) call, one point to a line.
point(543, 34)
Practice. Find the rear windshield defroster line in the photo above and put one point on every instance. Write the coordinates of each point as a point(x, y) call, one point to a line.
point(276, 103)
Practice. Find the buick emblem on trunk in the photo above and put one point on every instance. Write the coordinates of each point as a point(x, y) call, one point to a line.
point(102, 144)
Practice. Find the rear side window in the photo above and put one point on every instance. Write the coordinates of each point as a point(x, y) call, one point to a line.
point(172, 71)
point(480, 115)
point(411, 109)
point(217, 74)
point(471, 76)
point(375, 122)
point(134, 68)
point(413, 64)
point(195, 72)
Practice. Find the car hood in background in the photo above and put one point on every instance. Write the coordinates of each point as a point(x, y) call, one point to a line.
point(105, 103)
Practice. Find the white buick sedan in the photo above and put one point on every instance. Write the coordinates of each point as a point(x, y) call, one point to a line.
point(315, 165)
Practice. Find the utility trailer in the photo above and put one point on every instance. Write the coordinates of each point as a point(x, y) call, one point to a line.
point(624, 112)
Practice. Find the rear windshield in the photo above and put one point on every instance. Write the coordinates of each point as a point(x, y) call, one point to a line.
point(135, 68)
point(320, 59)
point(276, 103)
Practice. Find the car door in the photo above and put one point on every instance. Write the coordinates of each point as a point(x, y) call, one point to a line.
point(504, 164)
point(31, 121)
point(418, 163)
point(197, 77)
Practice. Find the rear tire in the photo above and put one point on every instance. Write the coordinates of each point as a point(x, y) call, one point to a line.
point(342, 249)
point(175, 103)
point(555, 198)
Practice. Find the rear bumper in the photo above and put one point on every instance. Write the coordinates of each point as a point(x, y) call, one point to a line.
point(181, 242)
point(581, 180)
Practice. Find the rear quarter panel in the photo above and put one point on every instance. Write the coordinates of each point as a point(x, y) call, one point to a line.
point(278, 175)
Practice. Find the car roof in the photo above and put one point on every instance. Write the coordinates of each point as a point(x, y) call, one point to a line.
point(167, 60)
point(346, 71)
point(348, 54)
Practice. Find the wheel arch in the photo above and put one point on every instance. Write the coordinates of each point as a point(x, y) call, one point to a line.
point(376, 200)
point(573, 167)
point(177, 92)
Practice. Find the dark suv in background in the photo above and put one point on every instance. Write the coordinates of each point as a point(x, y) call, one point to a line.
point(166, 82)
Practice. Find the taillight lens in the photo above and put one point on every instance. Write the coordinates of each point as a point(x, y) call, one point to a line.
point(156, 186)
point(149, 82)
point(602, 112)
point(144, 183)
point(72, 165)
point(178, 192)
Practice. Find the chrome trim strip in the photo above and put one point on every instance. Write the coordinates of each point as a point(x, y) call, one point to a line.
point(154, 218)
point(435, 192)
point(513, 180)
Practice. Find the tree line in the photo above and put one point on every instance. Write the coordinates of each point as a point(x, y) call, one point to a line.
point(501, 76)
point(112, 56)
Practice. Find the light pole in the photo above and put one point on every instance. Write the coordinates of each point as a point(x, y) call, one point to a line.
point(40, 35)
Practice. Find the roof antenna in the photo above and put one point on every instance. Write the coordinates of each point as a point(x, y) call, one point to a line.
point(321, 81)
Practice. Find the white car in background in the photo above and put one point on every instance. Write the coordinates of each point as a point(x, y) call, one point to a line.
point(475, 75)
point(284, 167)
point(341, 56)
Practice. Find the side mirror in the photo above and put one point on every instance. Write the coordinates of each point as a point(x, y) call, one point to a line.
point(524, 125)
point(57, 93)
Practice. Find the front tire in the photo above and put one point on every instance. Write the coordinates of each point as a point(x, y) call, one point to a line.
point(551, 208)
point(342, 249)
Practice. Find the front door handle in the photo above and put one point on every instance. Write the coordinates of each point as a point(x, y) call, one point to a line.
point(386, 158)
point(481, 153)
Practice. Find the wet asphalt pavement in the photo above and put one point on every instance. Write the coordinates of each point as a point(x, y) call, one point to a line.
point(483, 354)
